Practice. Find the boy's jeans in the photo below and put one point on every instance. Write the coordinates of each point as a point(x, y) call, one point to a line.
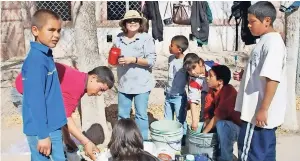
point(228, 133)
point(57, 151)
point(177, 104)
point(141, 106)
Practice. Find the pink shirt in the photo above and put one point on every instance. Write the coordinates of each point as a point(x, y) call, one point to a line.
point(72, 83)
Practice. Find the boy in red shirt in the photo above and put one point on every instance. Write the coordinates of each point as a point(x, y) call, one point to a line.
point(74, 84)
point(219, 111)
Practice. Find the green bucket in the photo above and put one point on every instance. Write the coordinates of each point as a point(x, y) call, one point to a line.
point(199, 143)
point(166, 127)
point(198, 131)
point(167, 135)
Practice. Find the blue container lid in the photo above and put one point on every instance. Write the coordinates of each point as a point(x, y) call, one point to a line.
point(201, 158)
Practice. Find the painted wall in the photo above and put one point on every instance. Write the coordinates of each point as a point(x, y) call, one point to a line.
point(221, 37)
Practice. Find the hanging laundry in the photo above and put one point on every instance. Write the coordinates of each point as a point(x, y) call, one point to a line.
point(151, 12)
point(209, 13)
point(239, 11)
point(200, 21)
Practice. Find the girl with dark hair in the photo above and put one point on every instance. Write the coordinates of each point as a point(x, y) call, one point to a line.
point(126, 143)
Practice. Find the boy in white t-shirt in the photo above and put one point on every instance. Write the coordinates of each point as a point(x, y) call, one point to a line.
point(262, 94)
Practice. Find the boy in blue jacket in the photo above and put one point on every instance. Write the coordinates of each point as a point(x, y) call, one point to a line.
point(43, 108)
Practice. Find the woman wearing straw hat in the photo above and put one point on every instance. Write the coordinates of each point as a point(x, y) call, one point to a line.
point(135, 69)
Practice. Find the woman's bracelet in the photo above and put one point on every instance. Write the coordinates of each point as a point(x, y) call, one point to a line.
point(136, 60)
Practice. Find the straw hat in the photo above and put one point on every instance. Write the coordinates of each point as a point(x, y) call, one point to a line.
point(130, 15)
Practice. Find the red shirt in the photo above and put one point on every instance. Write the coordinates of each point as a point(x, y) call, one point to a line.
point(72, 84)
point(221, 104)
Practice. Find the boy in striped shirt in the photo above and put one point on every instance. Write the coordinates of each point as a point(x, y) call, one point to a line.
point(197, 85)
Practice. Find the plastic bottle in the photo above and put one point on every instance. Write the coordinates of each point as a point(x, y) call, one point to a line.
point(201, 158)
point(190, 157)
point(235, 61)
point(114, 55)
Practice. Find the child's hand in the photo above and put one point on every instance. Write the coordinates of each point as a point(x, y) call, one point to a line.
point(261, 117)
point(44, 146)
point(238, 75)
point(89, 149)
point(194, 125)
point(126, 60)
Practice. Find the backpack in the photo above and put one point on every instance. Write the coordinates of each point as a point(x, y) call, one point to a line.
point(239, 11)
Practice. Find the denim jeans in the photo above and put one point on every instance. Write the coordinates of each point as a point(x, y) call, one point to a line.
point(177, 104)
point(57, 151)
point(228, 133)
point(141, 106)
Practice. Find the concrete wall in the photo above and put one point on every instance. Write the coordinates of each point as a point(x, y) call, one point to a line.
point(221, 36)
point(12, 31)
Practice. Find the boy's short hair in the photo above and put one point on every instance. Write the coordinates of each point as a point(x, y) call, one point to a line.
point(41, 16)
point(222, 72)
point(181, 41)
point(263, 9)
point(190, 60)
point(104, 74)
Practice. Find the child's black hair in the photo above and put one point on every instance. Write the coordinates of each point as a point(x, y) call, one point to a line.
point(263, 9)
point(181, 41)
point(126, 141)
point(104, 74)
point(190, 60)
point(41, 16)
point(222, 72)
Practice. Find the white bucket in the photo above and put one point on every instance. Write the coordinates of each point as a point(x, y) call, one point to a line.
point(150, 147)
point(166, 136)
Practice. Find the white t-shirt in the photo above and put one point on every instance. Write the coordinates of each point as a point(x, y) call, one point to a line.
point(267, 59)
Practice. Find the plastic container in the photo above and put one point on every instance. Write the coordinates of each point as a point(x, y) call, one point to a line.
point(150, 147)
point(166, 136)
point(114, 55)
point(190, 157)
point(201, 158)
point(199, 143)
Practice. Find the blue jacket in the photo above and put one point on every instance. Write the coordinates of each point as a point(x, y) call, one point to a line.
point(43, 108)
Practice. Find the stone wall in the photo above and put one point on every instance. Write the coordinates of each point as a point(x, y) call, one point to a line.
point(16, 34)
point(12, 30)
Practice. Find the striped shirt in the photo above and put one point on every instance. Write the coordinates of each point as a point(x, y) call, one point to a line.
point(196, 86)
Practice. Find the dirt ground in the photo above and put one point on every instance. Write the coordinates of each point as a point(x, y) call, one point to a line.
point(14, 146)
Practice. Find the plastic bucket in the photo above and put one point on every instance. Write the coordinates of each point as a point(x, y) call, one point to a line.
point(166, 127)
point(199, 143)
point(150, 147)
point(166, 136)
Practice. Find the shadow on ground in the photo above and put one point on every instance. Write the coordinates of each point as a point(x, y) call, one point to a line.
point(111, 113)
